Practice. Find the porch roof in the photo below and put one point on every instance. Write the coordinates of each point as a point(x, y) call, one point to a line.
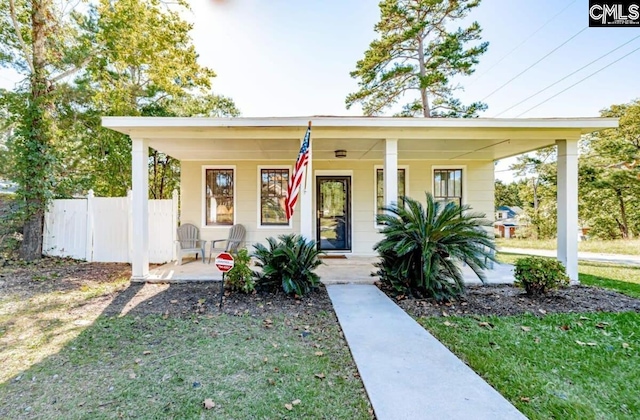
point(199, 138)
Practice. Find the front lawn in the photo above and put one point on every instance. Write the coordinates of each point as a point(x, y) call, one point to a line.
point(165, 368)
point(578, 366)
point(618, 246)
point(71, 347)
point(581, 365)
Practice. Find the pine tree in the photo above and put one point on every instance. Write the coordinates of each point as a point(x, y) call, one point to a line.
point(416, 57)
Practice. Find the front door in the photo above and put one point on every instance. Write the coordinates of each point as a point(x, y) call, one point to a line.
point(333, 225)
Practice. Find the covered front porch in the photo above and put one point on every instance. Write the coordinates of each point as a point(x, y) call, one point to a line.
point(423, 148)
point(345, 270)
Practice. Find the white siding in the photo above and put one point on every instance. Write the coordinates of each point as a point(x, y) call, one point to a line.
point(478, 177)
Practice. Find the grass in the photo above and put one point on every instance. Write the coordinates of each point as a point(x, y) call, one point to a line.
point(165, 368)
point(618, 246)
point(61, 359)
point(581, 366)
point(36, 326)
point(558, 366)
point(624, 279)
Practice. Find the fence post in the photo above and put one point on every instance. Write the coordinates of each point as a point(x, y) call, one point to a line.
point(49, 220)
point(90, 227)
point(174, 222)
point(130, 222)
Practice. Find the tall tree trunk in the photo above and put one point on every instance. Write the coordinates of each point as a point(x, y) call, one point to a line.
point(31, 248)
point(165, 163)
point(426, 110)
point(623, 224)
point(536, 204)
point(37, 133)
point(154, 182)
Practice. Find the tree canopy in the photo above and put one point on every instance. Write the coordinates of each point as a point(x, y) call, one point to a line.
point(610, 175)
point(608, 181)
point(507, 194)
point(416, 57)
point(81, 61)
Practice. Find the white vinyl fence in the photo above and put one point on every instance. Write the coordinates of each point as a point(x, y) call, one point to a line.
point(100, 229)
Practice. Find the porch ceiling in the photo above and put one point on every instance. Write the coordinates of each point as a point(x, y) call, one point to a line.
point(363, 138)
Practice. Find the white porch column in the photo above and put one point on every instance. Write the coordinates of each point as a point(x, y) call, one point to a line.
point(306, 199)
point(568, 206)
point(390, 172)
point(140, 184)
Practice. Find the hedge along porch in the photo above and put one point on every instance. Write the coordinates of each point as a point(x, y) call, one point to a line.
point(233, 171)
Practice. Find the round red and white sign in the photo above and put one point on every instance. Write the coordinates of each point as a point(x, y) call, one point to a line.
point(224, 262)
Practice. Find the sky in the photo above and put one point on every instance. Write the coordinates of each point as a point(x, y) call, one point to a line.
point(293, 57)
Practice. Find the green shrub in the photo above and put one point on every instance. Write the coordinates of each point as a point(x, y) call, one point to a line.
point(288, 263)
point(424, 247)
point(539, 275)
point(10, 227)
point(240, 277)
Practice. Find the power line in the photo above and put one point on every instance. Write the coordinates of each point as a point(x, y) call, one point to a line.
point(520, 44)
point(578, 82)
point(534, 64)
point(567, 76)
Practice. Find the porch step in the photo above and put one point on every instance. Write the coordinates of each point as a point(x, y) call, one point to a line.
point(347, 270)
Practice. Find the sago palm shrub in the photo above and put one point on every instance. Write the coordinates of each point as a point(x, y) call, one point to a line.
point(288, 262)
point(424, 247)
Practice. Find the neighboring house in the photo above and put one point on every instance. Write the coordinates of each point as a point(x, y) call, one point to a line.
point(508, 221)
point(234, 170)
point(583, 232)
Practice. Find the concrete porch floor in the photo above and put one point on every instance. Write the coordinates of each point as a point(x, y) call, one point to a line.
point(350, 270)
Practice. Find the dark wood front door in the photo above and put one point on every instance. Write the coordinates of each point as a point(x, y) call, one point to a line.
point(333, 224)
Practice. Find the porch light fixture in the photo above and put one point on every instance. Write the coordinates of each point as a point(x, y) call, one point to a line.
point(341, 153)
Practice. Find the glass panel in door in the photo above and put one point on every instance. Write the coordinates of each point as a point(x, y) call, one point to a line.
point(333, 220)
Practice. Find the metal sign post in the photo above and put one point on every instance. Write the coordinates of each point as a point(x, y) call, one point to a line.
point(222, 290)
point(224, 262)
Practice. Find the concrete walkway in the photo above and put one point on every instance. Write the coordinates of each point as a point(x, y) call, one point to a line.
point(407, 373)
point(582, 256)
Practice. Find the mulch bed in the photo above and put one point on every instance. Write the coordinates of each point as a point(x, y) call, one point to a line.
point(200, 298)
point(188, 299)
point(25, 280)
point(509, 300)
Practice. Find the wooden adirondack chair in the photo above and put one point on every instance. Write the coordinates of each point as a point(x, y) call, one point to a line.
point(189, 242)
point(235, 239)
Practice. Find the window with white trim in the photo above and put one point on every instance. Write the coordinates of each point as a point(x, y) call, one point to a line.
point(380, 189)
point(219, 197)
point(273, 193)
point(447, 185)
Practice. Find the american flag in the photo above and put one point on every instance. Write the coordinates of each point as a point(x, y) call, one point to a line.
point(293, 189)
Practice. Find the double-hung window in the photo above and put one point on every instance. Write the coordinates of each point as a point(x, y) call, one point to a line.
point(447, 185)
point(219, 196)
point(273, 192)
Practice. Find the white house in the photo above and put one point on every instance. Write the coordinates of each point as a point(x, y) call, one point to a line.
point(233, 171)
